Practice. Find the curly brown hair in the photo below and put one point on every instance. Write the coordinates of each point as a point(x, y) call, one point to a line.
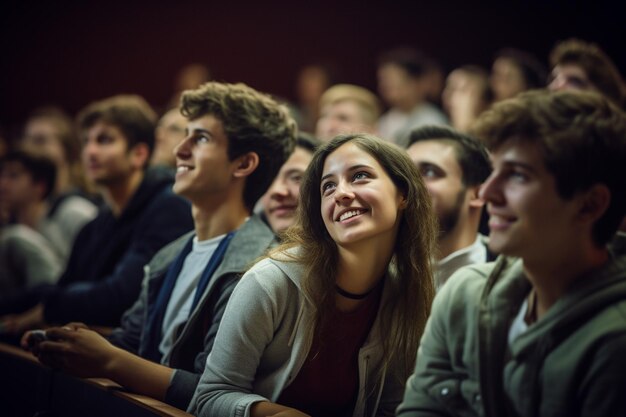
point(252, 122)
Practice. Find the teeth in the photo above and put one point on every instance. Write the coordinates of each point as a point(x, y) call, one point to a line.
point(182, 169)
point(348, 214)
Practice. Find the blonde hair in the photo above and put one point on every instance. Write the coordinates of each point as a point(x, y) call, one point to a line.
point(367, 102)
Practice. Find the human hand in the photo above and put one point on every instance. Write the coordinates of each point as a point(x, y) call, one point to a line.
point(78, 351)
point(30, 340)
point(18, 323)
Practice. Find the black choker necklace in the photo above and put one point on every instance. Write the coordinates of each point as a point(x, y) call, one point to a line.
point(351, 295)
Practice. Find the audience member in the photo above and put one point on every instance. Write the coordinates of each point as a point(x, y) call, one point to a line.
point(514, 71)
point(453, 166)
point(281, 199)
point(466, 95)
point(329, 324)
point(580, 65)
point(312, 80)
point(170, 131)
point(28, 250)
point(236, 141)
point(403, 85)
point(541, 332)
point(103, 275)
point(347, 108)
point(50, 131)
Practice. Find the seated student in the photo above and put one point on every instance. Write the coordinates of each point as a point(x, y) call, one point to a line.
point(453, 166)
point(170, 131)
point(580, 65)
point(236, 141)
point(103, 275)
point(329, 324)
point(347, 108)
point(514, 71)
point(28, 254)
point(540, 332)
point(280, 201)
point(404, 83)
point(50, 131)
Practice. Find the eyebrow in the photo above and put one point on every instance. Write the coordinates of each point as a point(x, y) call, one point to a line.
point(198, 130)
point(352, 168)
point(519, 164)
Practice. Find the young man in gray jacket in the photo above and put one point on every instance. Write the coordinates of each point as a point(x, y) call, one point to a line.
point(542, 331)
point(237, 139)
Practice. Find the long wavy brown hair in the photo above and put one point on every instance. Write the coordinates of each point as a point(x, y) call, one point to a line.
point(410, 281)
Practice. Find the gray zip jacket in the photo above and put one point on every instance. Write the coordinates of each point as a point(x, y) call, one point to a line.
point(195, 340)
point(569, 363)
point(264, 340)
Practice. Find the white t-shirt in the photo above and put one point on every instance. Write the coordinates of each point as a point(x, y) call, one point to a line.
point(184, 291)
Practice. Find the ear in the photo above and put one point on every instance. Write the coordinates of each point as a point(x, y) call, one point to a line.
point(474, 200)
point(595, 201)
point(402, 203)
point(246, 164)
point(139, 155)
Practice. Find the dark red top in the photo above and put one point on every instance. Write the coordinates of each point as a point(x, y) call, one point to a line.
point(328, 383)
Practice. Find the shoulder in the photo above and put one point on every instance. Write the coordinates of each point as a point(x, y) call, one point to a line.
point(275, 278)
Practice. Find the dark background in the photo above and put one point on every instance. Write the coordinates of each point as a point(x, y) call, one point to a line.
point(70, 53)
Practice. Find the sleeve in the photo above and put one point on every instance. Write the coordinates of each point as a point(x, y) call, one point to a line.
point(184, 382)
point(247, 327)
point(602, 389)
point(434, 388)
point(128, 335)
point(104, 302)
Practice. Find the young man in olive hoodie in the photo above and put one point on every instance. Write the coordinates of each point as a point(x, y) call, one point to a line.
point(542, 331)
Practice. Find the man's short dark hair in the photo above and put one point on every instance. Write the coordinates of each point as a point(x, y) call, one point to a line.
point(131, 114)
point(471, 155)
point(40, 167)
point(413, 61)
point(307, 141)
point(252, 122)
point(582, 135)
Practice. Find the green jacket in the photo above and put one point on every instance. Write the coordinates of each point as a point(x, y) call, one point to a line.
point(572, 362)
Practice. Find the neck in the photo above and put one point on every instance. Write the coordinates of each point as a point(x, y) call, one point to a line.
point(119, 194)
point(361, 266)
point(462, 236)
point(32, 214)
point(211, 221)
point(552, 278)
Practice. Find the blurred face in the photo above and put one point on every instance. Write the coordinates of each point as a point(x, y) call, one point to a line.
point(340, 117)
point(170, 132)
point(41, 135)
point(203, 170)
point(527, 217)
point(17, 188)
point(443, 177)
point(396, 86)
point(106, 157)
point(360, 203)
point(569, 77)
point(281, 199)
point(507, 79)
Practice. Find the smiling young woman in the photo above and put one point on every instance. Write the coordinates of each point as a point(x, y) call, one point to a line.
point(330, 322)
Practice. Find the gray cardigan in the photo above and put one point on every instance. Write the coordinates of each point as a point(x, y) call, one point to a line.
point(195, 340)
point(263, 341)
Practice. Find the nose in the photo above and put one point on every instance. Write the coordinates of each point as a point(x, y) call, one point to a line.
point(343, 193)
point(490, 191)
point(278, 189)
point(183, 149)
point(89, 149)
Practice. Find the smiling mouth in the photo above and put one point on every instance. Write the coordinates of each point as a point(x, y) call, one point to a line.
point(349, 214)
point(182, 168)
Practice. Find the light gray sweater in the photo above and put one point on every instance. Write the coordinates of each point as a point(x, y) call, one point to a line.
point(264, 339)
